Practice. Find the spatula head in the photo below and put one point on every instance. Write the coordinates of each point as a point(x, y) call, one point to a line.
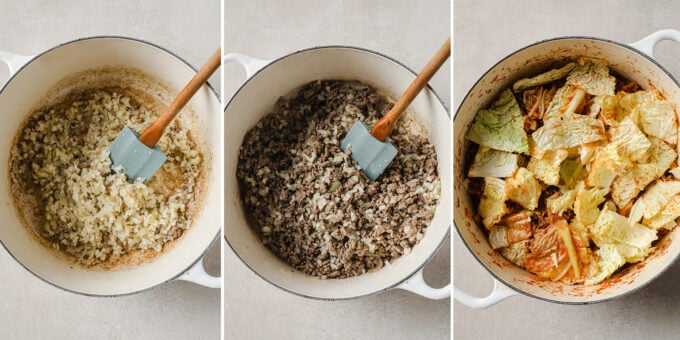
point(372, 155)
point(136, 159)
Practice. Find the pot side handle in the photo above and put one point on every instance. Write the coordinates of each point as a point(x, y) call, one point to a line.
point(198, 275)
point(646, 45)
point(251, 65)
point(499, 293)
point(14, 61)
point(416, 284)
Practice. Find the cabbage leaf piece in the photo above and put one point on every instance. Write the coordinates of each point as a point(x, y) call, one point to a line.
point(543, 78)
point(586, 204)
point(606, 165)
point(547, 168)
point(571, 171)
point(516, 252)
point(524, 189)
point(665, 218)
point(512, 228)
point(608, 261)
point(658, 119)
point(608, 109)
point(567, 99)
point(492, 203)
point(655, 197)
point(627, 186)
point(633, 241)
point(631, 142)
point(501, 126)
point(561, 201)
point(567, 131)
point(629, 104)
point(593, 76)
point(493, 163)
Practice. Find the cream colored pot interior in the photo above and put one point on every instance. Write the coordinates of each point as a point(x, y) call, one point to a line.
point(29, 87)
point(529, 61)
point(257, 97)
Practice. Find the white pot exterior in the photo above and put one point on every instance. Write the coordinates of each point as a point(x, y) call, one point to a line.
point(256, 98)
point(29, 86)
point(624, 60)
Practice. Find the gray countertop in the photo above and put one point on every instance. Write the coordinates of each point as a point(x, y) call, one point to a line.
point(33, 309)
point(409, 31)
point(486, 31)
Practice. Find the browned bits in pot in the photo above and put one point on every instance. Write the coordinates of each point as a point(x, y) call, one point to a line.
point(312, 205)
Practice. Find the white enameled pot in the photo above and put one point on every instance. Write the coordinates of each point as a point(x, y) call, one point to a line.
point(266, 82)
point(31, 78)
point(634, 61)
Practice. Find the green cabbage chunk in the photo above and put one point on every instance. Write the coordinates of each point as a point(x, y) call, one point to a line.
point(633, 241)
point(592, 75)
point(501, 126)
point(567, 131)
point(547, 168)
point(543, 78)
point(493, 163)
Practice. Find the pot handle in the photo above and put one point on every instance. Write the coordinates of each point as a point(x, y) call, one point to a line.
point(646, 45)
point(499, 293)
point(251, 65)
point(198, 275)
point(14, 61)
point(416, 284)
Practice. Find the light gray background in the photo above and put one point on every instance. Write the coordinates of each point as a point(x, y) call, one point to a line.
point(33, 309)
point(487, 31)
point(409, 31)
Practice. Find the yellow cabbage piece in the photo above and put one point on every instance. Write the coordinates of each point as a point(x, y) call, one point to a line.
point(633, 241)
point(567, 131)
point(608, 261)
point(501, 126)
point(561, 201)
point(629, 103)
point(493, 163)
point(516, 252)
point(658, 119)
point(631, 142)
point(586, 208)
point(655, 197)
point(524, 189)
point(492, 203)
point(592, 75)
point(547, 168)
point(627, 186)
point(606, 165)
point(665, 218)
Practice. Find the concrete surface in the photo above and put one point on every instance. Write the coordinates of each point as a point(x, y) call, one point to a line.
point(33, 309)
point(486, 31)
point(410, 31)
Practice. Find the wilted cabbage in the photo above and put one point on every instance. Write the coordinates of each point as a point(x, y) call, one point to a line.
point(633, 241)
point(666, 215)
point(543, 78)
point(586, 204)
point(561, 201)
point(492, 203)
point(592, 75)
point(524, 189)
point(568, 131)
point(630, 141)
point(606, 165)
point(516, 252)
point(658, 119)
point(608, 261)
point(547, 168)
point(501, 126)
point(655, 197)
point(493, 163)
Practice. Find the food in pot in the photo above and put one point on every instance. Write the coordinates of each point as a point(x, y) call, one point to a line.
point(67, 193)
point(312, 205)
point(576, 172)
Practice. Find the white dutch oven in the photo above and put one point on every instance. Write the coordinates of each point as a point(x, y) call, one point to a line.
point(266, 82)
point(634, 61)
point(31, 78)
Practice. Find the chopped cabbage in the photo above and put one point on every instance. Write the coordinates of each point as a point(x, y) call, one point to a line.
point(571, 171)
point(666, 216)
point(586, 204)
point(543, 78)
point(609, 109)
point(493, 163)
point(516, 252)
point(592, 75)
point(629, 103)
point(628, 186)
point(547, 168)
point(654, 198)
point(608, 164)
point(560, 201)
point(567, 131)
point(630, 141)
point(524, 189)
point(579, 231)
point(633, 241)
point(658, 119)
point(675, 172)
point(492, 203)
point(500, 127)
point(608, 261)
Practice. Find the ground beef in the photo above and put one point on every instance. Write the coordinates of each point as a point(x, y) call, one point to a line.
point(310, 202)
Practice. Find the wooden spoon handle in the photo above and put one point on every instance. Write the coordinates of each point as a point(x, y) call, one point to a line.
point(384, 126)
point(154, 131)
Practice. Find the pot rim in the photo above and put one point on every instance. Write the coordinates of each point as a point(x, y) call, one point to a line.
point(590, 300)
point(103, 37)
point(447, 235)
